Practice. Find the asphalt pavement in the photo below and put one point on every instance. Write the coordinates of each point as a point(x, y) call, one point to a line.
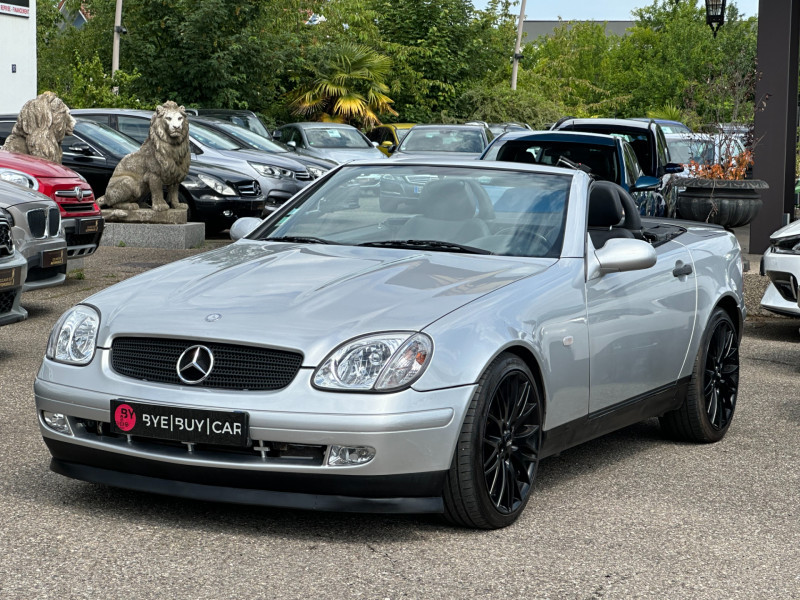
point(629, 515)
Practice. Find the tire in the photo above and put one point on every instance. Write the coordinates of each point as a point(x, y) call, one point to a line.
point(707, 410)
point(497, 455)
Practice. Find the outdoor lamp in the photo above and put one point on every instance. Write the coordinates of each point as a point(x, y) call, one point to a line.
point(715, 14)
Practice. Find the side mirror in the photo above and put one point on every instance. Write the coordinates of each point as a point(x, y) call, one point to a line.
point(646, 183)
point(243, 227)
point(624, 254)
point(673, 168)
point(391, 147)
point(292, 145)
point(84, 149)
point(375, 144)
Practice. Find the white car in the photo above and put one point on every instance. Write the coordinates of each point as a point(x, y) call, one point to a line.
point(781, 263)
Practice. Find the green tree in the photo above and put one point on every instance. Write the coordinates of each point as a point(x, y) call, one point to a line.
point(347, 85)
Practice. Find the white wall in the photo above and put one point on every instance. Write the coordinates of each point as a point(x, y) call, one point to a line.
point(17, 47)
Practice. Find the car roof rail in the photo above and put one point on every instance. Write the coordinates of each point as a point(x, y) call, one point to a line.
point(560, 121)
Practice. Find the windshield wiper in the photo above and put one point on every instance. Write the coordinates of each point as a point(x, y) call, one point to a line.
point(428, 245)
point(302, 239)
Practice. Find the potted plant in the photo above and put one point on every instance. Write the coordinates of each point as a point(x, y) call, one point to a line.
point(719, 193)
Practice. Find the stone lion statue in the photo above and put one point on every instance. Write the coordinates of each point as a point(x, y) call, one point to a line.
point(40, 128)
point(162, 160)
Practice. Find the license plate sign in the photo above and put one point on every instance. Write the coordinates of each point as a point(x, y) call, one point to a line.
point(179, 424)
point(10, 278)
point(89, 226)
point(54, 258)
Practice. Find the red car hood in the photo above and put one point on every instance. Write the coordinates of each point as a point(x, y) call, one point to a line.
point(37, 167)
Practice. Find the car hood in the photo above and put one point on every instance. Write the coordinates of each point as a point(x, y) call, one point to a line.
point(267, 158)
point(788, 231)
point(15, 195)
point(309, 298)
point(37, 167)
point(343, 155)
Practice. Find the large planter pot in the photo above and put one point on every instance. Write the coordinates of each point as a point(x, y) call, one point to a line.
point(730, 203)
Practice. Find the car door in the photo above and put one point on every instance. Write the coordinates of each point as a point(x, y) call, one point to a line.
point(88, 160)
point(640, 326)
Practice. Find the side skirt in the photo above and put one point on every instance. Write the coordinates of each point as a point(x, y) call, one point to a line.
point(652, 404)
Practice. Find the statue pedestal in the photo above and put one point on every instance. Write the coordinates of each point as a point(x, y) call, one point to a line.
point(172, 216)
point(146, 228)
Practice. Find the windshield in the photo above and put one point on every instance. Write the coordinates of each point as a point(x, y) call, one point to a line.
point(250, 138)
point(443, 139)
point(451, 209)
point(685, 150)
point(601, 160)
point(336, 137)
point(110, 139)
point(211, 138)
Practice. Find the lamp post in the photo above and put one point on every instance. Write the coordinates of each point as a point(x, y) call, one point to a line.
point(517, 47)
point(118, 29)
point(715, 14)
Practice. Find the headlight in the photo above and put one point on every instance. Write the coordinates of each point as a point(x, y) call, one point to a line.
point(19, 178)
point(787, 245)
point(316, 172)
point(383, 362)
point(74, 336)
point(217, 185)
point(271, 171)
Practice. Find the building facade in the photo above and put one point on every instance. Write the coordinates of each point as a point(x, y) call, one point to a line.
point(17, 53)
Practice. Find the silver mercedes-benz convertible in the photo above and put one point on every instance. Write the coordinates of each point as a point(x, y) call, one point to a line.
point(341, 357)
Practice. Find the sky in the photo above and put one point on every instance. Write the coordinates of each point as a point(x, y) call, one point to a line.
point(597, 10)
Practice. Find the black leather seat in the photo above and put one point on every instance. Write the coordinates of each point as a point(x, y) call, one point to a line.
point(449, 213)
point(606, 214)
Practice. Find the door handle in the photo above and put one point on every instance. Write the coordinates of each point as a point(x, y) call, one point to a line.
point(681, 270)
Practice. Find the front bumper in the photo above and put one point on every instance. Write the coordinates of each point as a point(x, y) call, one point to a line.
point(213, 206)
point(83, 235)
point(781, 295)
point(413, 434)
point(13, 271)
point(47, 262)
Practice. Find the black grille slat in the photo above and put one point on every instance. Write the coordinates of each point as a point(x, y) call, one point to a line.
point(37, 222)
point(54, 221)
point(235, 367)
point(6, 244)
point(76, 207)
point(249, 188)
point(7, 300)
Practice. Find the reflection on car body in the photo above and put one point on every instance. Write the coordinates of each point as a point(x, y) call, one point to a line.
point(417, 360)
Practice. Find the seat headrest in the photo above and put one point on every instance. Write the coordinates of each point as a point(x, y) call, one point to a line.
point(447, 200)
point(605, 207)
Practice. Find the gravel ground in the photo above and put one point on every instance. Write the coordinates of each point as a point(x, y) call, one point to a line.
point(629, 515)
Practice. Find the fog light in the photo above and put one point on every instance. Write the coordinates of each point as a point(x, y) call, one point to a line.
point(57, 422)
point(350, 455)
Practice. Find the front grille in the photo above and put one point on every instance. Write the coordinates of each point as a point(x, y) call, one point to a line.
point(235, 367)
point(78, 193)
point(7, 300)
point(302, 175)
point(6, 244)
point(249, 188)
point(37, 222)
point(54, 221)
point(77, 207)
point(257, 452)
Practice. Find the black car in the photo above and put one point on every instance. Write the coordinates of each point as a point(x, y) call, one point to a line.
point(648, 142)
point(215, 195)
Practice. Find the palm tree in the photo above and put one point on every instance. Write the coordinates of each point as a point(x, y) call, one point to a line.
point(347, 85)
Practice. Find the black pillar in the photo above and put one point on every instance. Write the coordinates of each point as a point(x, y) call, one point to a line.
point(776, 124)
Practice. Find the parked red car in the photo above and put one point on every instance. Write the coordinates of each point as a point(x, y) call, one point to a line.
point(80, 214)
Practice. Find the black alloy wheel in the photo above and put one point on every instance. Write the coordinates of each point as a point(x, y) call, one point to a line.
point(497, 455)
point(710, 402)
point(721, 376)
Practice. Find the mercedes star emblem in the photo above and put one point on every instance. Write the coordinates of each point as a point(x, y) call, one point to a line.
point(195, 365)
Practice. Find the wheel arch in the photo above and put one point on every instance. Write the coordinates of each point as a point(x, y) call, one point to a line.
point(729, 304)
point(530, 360)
